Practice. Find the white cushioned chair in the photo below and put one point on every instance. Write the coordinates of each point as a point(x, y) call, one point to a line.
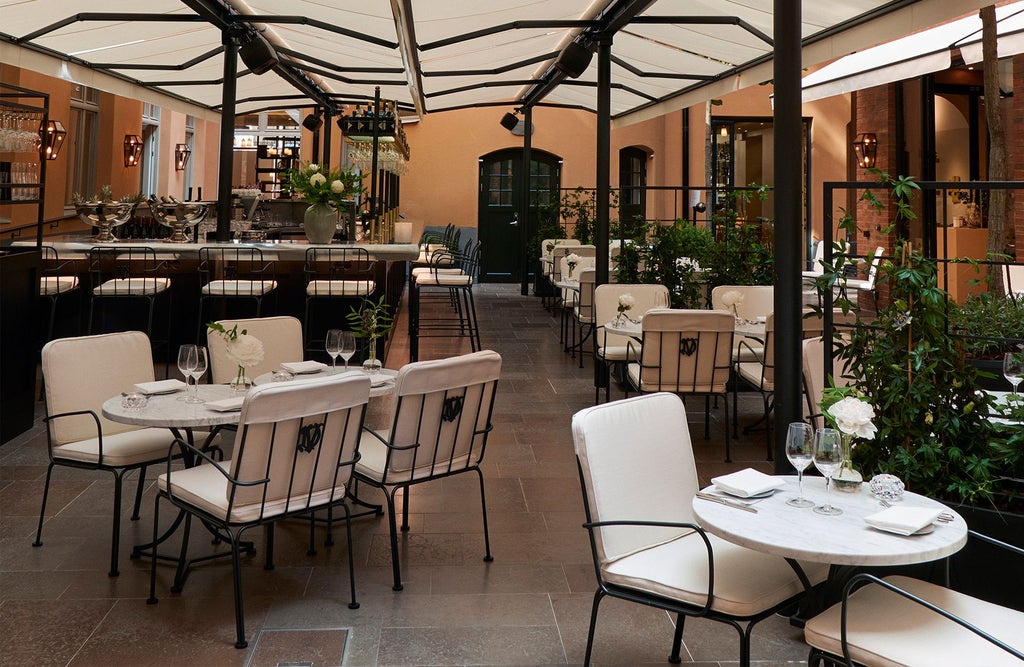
point(445, 288)
point(128, 275)
point(79, 375)
point(234, 274)
point(646, 544)
point(757, 301)
point(338, 279)
point(899, 621)
point(855, 286)
point(282, 342)
point(440, 419)
point(610, 347)
point(686, 352)
point(297, 443)
point(55, 281)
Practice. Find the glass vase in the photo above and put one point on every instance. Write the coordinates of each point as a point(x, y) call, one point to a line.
point(372, 365)
point(241, 382)
point(847, 479)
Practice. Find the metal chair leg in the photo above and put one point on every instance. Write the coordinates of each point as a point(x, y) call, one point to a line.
point(483, 504)
point(42, 510)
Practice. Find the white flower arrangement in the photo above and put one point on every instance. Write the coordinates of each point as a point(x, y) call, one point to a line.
point(853, 416)
point(244, 350)
point(731, 299)
point(626, 303)
point(572, 260)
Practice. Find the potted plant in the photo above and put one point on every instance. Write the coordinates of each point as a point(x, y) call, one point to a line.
point(371, 321)
point(325, 192)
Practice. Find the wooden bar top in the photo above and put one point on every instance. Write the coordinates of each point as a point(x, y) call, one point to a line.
point(285, 250)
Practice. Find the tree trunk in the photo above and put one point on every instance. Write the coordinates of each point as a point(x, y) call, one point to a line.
point(999, 201)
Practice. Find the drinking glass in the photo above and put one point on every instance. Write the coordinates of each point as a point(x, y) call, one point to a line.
point(187, 360)
point(800, 452)
point(197, 372)
point(333, 345)
point(348, 346)
point(1013, 368)
point(828, 456)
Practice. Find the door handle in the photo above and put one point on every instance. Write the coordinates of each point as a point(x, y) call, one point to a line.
point(515, 220)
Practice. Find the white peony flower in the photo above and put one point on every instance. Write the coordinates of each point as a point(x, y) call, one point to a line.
point(572, 258)
point(314, 168)
point(731, 298)
point(853, 416)
point(245, 350)
point(317, 180)
point(337, 187)
point(626, 302)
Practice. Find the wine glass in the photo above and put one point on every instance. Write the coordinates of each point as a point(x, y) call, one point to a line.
point(800, 451)
point(828, 456)
point(187, 361)
point(348, 346)
point(333, 345)
point(1013, 368)
point(197, 372)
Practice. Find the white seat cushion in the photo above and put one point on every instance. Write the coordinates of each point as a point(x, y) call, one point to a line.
point(339, 288)
point(206, 487)
point(444, 280)
point(753, 372)
point(51, 285)
point(132, 287)
point(888, 630)
point(373, 456)
point(746, 581)
point(424, 270)
point(126, 448)
point(239, 287)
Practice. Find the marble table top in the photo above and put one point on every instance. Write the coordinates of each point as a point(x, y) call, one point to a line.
point(801, 533)
point(165, 410)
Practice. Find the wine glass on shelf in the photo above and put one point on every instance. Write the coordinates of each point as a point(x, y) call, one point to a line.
point(800, 452)
point(187, 361)
point(828, 456)
point(197, 372)
point(348, 346)
point(1013, 368)
point(333, 345)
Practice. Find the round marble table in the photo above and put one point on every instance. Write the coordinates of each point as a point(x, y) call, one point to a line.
point(165, 410)
point(802, 534)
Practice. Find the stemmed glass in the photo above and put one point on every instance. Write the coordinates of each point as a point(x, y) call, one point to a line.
point(1013, 368)
point(348, 346)
point(196, 373)
point(800, 451)
point(187, 360)
point(333, 345)
point(828, 456)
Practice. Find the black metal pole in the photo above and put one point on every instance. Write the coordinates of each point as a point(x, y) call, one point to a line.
point(326, 134)
point(373, 165)
point(227, 137)
point(524, 202)
point(788, 224)
point(604, 126)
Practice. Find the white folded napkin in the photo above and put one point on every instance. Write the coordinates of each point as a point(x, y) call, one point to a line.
point(300, 367)
point(747, 482)
point(226, 404)
point(903, 520)
point(159, 387)
point(380, 379)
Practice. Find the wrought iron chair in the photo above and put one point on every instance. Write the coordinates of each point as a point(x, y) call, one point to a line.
point(440, 420)
point(297, 445)
point(610, 347)
point(128, 274)
point(282, 342)
point(80, 374)
point(455, 287)
point(234, 274)
point(344, 276)
point(56, 282)
point(646, 545)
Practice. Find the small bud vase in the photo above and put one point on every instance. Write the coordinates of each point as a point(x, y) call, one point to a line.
point(241, 382)
point(372, 364)
point(847, 479)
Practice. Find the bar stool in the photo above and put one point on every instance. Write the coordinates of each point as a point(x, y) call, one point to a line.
point(56, 282)
point(345, 275)
point(455, 287)
point(233, 274)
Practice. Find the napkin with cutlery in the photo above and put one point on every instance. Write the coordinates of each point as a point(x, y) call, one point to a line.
point(903, 520)
point(159, 387)
point(747, 483)
point(302, 367)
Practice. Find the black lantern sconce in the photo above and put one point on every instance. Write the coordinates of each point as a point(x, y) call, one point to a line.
point(509, 121)
point(52, 134)
point(313, 122)
point(865, 146)
point(181, 155)
point(132, 150)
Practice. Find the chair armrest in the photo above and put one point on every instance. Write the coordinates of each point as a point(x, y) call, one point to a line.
point(388, 444)
point(758, 356)
point(186, 448)
point(865, 579)
point(991, 540)
point(78, 413)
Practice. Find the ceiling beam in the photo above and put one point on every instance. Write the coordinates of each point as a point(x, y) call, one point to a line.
point(405, 28)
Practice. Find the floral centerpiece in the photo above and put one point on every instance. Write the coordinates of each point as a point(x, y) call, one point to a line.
point(371, 321)
point(853, 417)
point(243, 349)
point(626, 303)
point(732, 299)
point(572, 260)
point(325, 192)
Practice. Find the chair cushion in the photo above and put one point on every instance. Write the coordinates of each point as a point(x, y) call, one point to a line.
point(888, 630)
point(746, 581)
point(339, 288)
point(754, 373)
point(444, 280)
point(51, 285)
point(132, 287)
point(423, 270)
point(127, 448)
point(206, 487)
point(633, 372)
point(239, 287)
point(373, 456)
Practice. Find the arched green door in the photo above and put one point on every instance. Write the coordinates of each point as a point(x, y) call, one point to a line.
point(502, 255)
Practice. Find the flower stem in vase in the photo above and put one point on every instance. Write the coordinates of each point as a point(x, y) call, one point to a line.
point(372, 364)
point(847, 479)
point(241, 382)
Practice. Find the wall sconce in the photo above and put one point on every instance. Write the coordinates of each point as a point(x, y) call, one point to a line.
point(132, 150)
point(313, 122)
point(52, 134)
point(865, 146)
point(181, 154)
point(509, 121)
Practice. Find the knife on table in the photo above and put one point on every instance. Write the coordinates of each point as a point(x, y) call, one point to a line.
point(725, 501)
